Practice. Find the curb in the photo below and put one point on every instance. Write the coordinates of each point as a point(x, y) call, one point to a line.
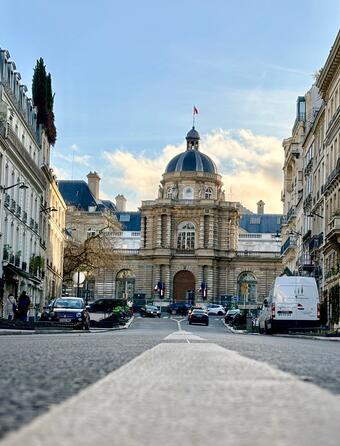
point(47, 331)
point(317, 338)
point(124, 327)
point(233, 329)
point(16, 332)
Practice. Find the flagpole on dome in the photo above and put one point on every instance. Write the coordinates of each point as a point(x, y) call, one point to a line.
point(195, 111)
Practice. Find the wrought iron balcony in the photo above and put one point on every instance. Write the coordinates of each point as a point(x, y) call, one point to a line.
point(290, 243)
point(332, 176)
point(13, 205)
point(291, 213)
point(333, 233)
point(7, 200)
point(315, 242)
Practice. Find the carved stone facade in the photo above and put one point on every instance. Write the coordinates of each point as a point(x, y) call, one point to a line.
point(189, 242)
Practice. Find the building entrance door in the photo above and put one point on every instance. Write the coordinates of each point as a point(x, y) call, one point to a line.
point(184, 286)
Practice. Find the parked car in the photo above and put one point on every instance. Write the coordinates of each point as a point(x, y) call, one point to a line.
point(230, 315)
point(178, 308)
point(70, 311)
point(198, 316)
point(102, 306)
point(216, 309)
point(150, 311)
point(293, 303)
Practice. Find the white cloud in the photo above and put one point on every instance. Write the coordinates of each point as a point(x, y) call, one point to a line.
point(250, 164)
point(82, 160)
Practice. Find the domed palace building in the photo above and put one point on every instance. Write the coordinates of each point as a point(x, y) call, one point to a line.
point(189, 244)
point(189, 239)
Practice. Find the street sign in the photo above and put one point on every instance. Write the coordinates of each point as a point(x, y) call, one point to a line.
point(236, 298)
point(78, 277)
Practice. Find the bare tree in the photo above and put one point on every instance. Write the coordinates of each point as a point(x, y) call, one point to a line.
point(93, 251)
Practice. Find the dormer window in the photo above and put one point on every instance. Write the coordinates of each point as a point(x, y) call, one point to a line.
point(91, 232)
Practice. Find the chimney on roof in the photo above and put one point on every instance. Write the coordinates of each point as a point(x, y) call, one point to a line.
point(93, 182)
point(260, 207)
point(120, 203)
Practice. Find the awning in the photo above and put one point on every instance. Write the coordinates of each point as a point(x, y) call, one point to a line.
point(14, 269)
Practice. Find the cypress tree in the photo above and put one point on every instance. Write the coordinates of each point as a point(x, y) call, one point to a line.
point(43, 99)
point(39, 91)
point(50, 126)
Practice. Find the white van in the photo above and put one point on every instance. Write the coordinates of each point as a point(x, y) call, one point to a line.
point(293, 303)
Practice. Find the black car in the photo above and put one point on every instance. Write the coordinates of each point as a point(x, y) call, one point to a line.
point(178, 308)
point(69, 311)
point(150, 311)
point(198, 316)
point(102, 306)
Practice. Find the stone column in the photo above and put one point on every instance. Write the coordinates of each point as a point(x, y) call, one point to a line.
point(169, 232)
point(158, 223)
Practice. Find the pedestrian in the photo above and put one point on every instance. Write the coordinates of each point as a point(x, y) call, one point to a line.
point(10, 306)
point(23, 306)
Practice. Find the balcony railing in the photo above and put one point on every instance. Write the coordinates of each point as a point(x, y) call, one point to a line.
point(13, 205)
point(333, 232)
point(331, 177)
point(290, 243)
point(7, 200)
point(291, 213)
point(126, 252)
point(315, 242)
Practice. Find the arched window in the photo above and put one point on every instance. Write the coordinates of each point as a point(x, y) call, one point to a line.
point(186, 236)
point(208, 193)
point(188, 193)
point(125, 284)
point(247, 287)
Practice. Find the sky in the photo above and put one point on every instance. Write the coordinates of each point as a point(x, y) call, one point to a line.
point(127, 73)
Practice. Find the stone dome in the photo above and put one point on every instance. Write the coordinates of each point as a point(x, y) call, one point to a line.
point(191, 161)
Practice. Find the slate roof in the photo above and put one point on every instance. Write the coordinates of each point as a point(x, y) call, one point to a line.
point(130, 221)
point(191, 161)
point(77, 193)
point(261, 223)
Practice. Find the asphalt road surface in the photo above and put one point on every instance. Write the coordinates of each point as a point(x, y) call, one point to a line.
point(40, 371)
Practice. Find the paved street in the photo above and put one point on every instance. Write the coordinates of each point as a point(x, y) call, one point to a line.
point(39, 371)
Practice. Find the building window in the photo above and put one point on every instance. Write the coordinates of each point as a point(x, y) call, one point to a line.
point(91, 232)
point(188, 193)
point(208, 193)
point(186, 236)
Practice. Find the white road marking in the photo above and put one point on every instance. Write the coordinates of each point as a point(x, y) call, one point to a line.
point(168, 402)
point(182, 335)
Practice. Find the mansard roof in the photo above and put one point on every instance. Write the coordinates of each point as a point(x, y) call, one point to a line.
point(77, 193)
point(261, 223)
point(130, 221)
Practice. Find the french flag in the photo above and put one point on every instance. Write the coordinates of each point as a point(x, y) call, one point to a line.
point(195, 110)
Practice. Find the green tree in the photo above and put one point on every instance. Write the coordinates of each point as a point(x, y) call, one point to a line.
point(43, 99)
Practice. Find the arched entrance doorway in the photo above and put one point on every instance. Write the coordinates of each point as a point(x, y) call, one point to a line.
point(247, 288)
point(184, 287)
point(125, 284)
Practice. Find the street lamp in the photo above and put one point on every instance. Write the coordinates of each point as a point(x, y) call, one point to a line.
point(49, 209)
point(314, 214)
point(21, 185)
